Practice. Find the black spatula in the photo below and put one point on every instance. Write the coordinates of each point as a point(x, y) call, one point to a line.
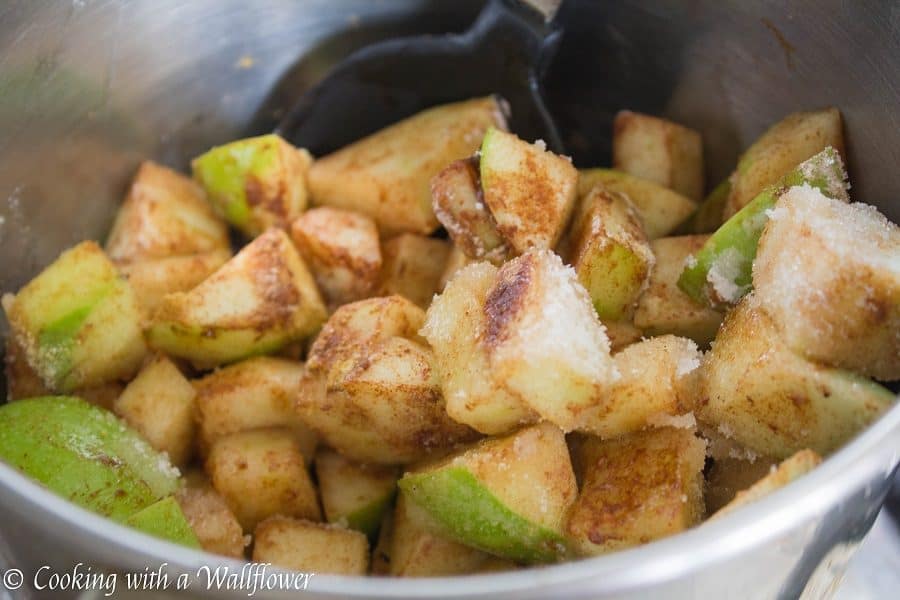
point(505, 52)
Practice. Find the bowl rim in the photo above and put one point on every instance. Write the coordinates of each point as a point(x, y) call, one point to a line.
point(851, 467)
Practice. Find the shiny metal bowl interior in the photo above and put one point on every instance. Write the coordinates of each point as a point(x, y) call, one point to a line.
point(89, 88)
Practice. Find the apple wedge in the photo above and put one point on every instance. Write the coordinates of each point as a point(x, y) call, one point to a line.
point(354, 495)
point(454, 326)
point(261, 473)
point(636, 489)
point(302, 545)
point(387, 175)
point(371, 391)
point(164, 214)
point(654, 388)
point(159, 403)
point(78, 321)
point(719, 274)
point(255, 183)
point(794, 139)
point(659, 150)
point(610, 253)
point(829, 274)
point(259, 301)
point(661, 209)
point(417, 549)
point(213, 523)
point(775, 402)
point(458, 202)
point(506, 496)
point(84, 454)
point(529, 191)
point(342, 249)
point(533, 298)
point(251, 394)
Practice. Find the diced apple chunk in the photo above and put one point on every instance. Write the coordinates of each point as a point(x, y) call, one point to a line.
point(663, 307)
point(661, 209)
point(775, 402)
point(610, 253)
point(342, 249)
point(659, 150)
point(164, 214)
point(455, 326)
point(354, 495)
point(413, 265)
point(529, 191)
point(153, 279)
point(388, 174)
point(371, 391)
point(719, 274)
point(790, 469)
point(829, 274)
point(637, 488)
point(260, 300)
point(254, 393)
point(78, 321)
point(159, 404)
point(216, 527)
point(255, 183)
point(418, 549)
point(507, 496)
point(310, 547)
point(459, 205)
point(261, 473)
point(535, 297)
point(652, 391)
point(781, 148)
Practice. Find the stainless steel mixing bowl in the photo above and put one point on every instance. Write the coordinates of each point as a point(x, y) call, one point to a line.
point(89, 87)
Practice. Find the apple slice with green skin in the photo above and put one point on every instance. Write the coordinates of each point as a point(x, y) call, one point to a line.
point(506, 496)
point(84, 454)
point(784, 145)
point(355, 495)
point(387, 175)
point(663, 308)
point(165, 519)
point(661, 209)
point(763, 396)
point(256, 303)
point(78, 321)
point(720, 273)
point(529, 191)
point(255, 183)
point(165, 214)
point(610, 253)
